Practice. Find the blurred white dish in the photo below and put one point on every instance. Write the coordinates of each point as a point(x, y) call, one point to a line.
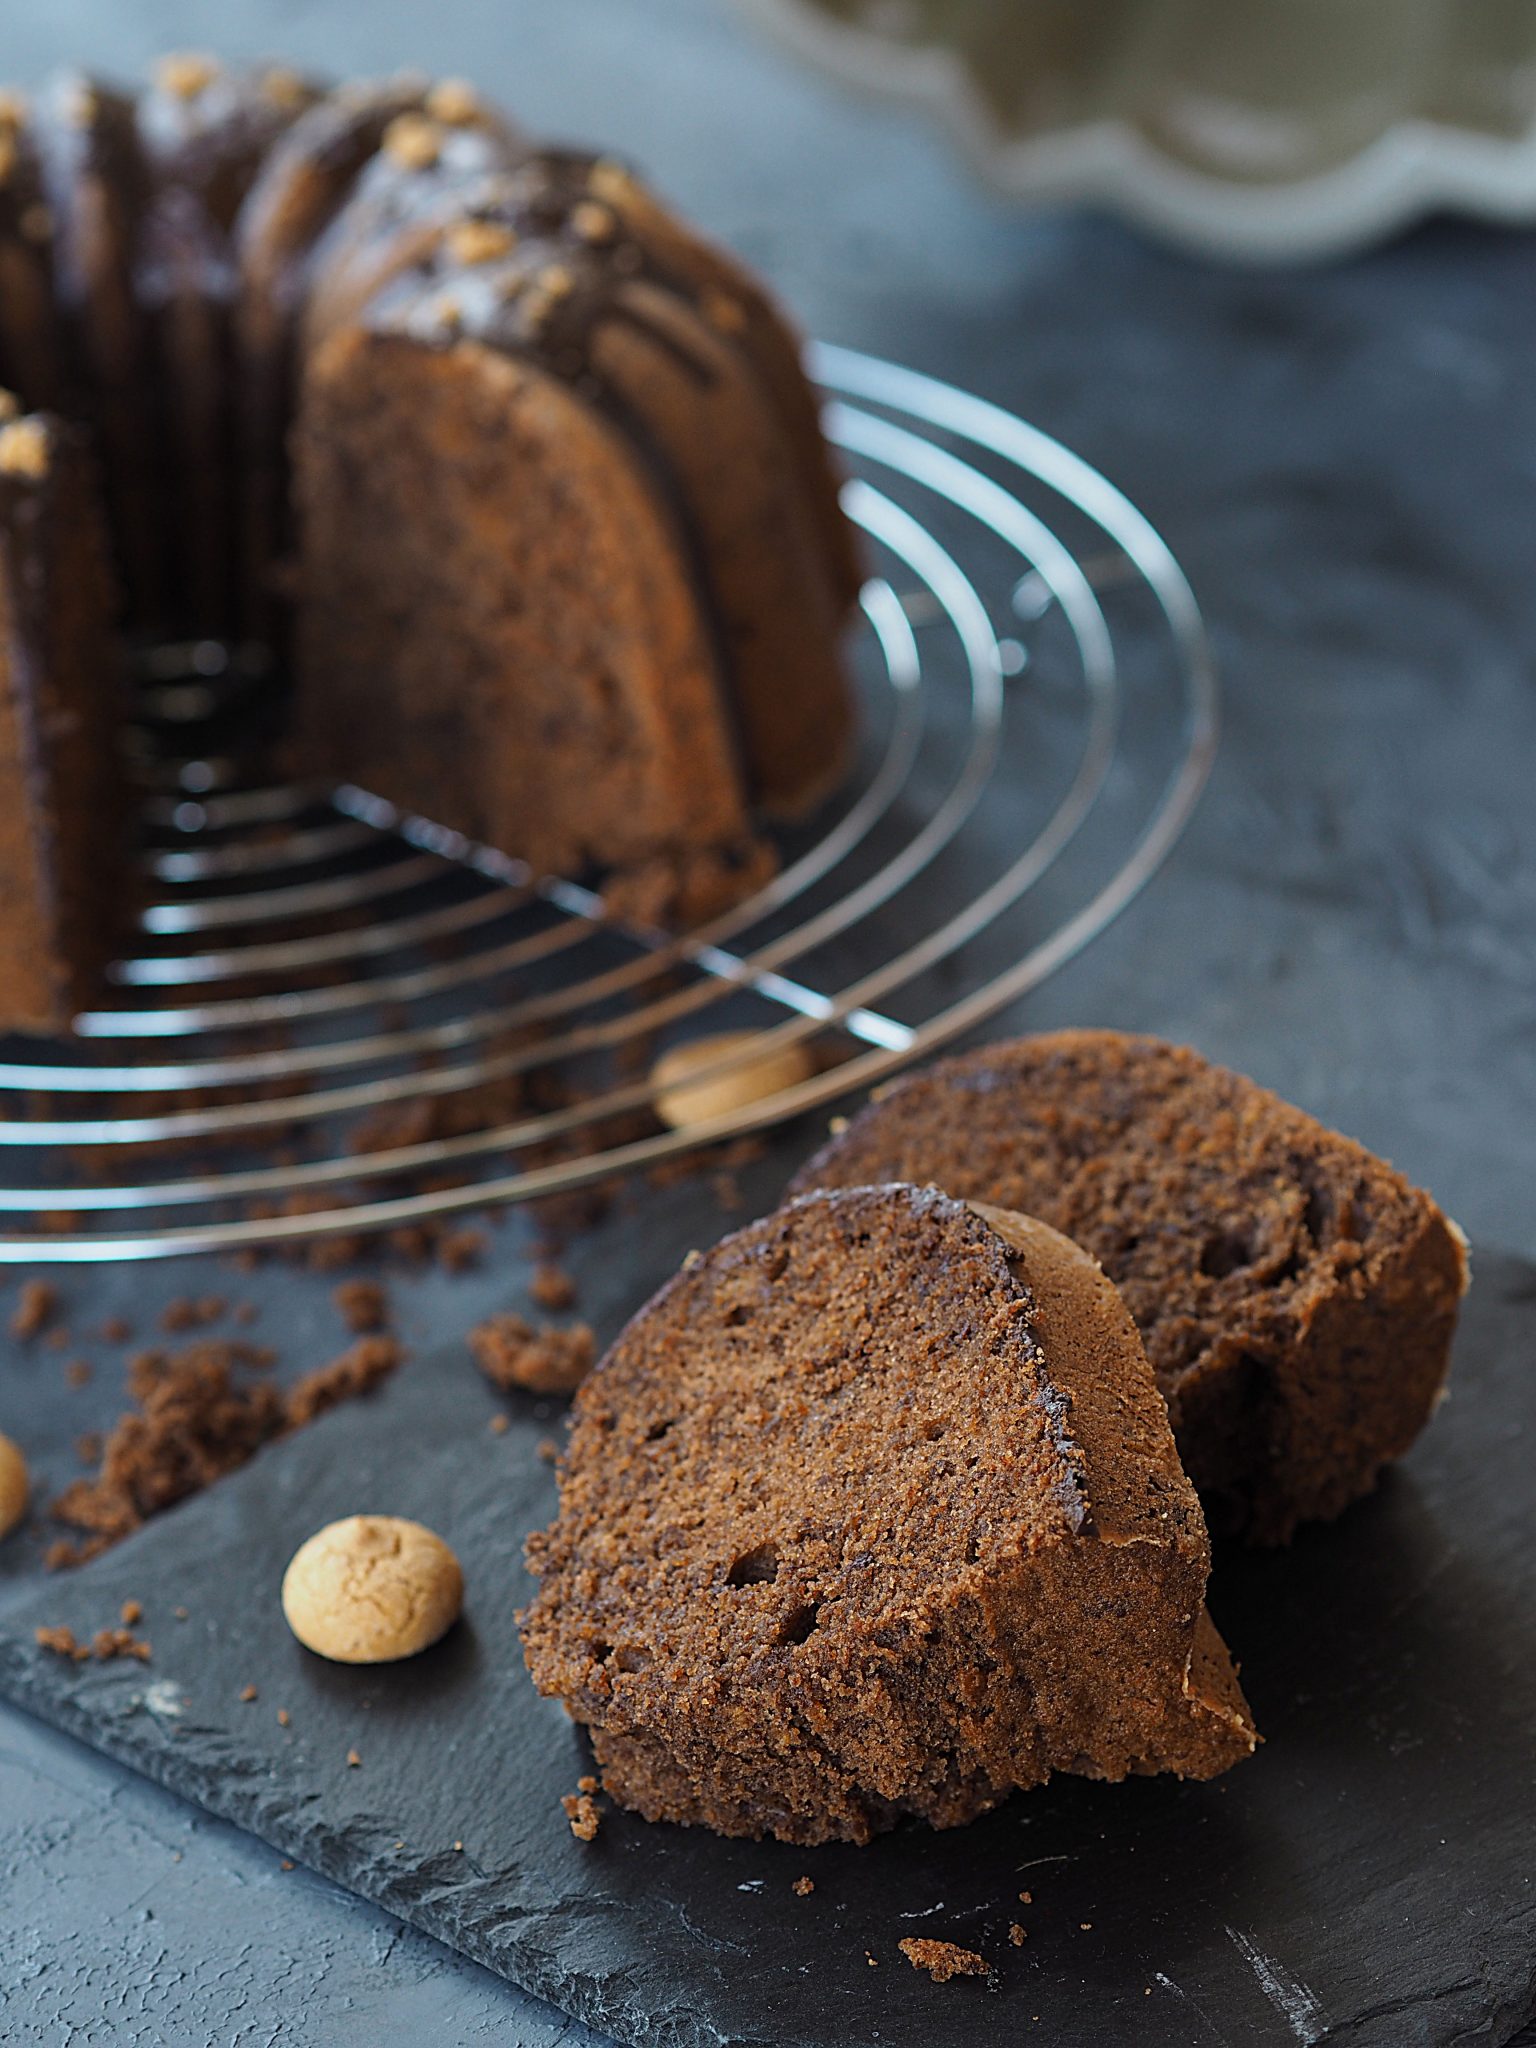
point(1272, 130)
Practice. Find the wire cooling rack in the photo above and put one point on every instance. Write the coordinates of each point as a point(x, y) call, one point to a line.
point(343, 1018)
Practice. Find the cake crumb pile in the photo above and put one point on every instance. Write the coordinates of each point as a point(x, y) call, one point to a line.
point(581, 1811)
point(36, 1307)
point(200, 1413)
point(514, 1355)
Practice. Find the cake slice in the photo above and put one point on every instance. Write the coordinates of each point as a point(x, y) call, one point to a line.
point(874, 1511)
point(561, 583)
point(499, 627)
point(204, 131)
point(95, 182)
point(1296, 1296)
point(306, 180)
point(62, 826)
point(31, 346)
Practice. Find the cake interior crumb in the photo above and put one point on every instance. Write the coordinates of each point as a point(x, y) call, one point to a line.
point(942, 1959)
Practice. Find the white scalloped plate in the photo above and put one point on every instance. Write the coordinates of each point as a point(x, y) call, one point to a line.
point(1271, 130)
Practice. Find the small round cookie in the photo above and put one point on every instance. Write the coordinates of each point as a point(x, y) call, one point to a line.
point(730, 1074)
point(13, 1485)
point(371, 1589)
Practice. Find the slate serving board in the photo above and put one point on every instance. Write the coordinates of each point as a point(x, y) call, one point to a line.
point(1367, 1877)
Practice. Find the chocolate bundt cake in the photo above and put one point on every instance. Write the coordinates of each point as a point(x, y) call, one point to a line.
point(521, 477)
point(1296, 1296)
point(60, 710)
point(874, 1511)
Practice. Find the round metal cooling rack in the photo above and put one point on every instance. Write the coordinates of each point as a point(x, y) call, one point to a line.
point(343, 1018)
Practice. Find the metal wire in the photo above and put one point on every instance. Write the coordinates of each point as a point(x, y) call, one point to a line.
point(1010, 579)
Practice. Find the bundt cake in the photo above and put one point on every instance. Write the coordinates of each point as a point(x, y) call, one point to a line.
point(60, 714)
point(874, 1511)
point(521, 477)
point(1295, 1295)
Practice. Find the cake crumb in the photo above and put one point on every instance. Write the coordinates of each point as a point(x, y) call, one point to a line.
point(247, 1694)
point(942, 1959)
point(581, 1811)
point(547, 1451)
point(458, 1846)
point(77, 1373)
point(363, 1306)
point(353, 1759)
point(61, 1642)
point(131, 1613)
point(552, 1288)
point(1085, 1926)
point(357, 1371)
point(35, 1307)
point(499, 1425)
point(1015, 1934)
point(116, 1330)
point(586, 1784)
point(180, 1613)
point(511, 1353)
point(108, 1643)
point(459, 1250)
point(286, 1864)
point(284, 1718)
point(1026, 1898)
point(803, 1887)
point(183, 1313)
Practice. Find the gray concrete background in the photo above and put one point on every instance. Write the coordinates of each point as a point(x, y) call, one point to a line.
point(1345, 461)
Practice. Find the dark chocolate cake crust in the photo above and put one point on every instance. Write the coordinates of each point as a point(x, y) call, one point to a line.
point(874, 1511)
point(1296, 1296)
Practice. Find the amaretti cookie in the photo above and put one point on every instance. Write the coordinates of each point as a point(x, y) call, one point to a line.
point(1296, 1296)
point(874, 1511)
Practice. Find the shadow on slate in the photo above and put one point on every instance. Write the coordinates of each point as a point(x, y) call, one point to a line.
point(1366, 1878)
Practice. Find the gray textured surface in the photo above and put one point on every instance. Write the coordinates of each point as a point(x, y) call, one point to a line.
point(1344, 461)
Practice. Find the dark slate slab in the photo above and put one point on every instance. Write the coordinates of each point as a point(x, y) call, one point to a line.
point(1366, 1878)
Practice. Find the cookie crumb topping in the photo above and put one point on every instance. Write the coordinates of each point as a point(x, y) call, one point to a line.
point(23, 449)
point(480, 241)
point(455, 103)
point(185, 74)
point(414, 142)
